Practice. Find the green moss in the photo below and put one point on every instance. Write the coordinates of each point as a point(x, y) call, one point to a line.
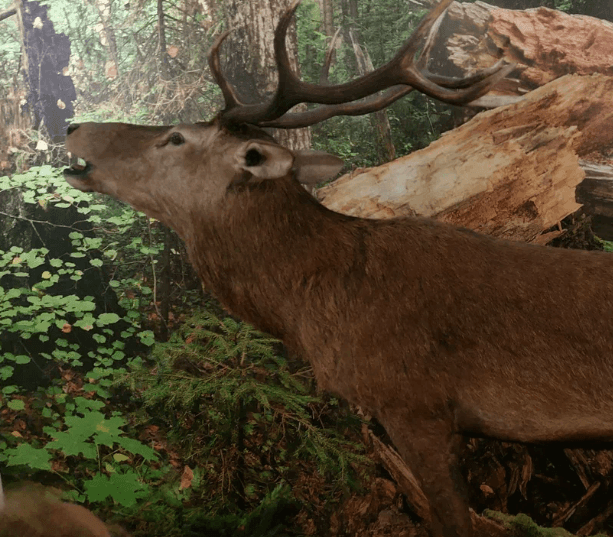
point(523, 526)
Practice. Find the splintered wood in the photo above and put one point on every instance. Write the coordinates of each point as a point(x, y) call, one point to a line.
point(509, 172)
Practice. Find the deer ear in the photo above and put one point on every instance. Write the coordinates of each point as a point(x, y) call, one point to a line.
point(313, 167)
point(265, 160)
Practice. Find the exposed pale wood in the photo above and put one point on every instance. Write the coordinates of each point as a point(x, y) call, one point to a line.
point(510, 172)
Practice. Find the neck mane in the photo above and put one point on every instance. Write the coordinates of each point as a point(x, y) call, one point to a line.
point(273, 251)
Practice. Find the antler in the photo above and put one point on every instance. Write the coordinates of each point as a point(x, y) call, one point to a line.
point(399, 76)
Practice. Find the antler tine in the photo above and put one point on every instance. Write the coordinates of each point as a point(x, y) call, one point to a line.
point(297, 120)
point(400, 70)
point(229, 94)
point(256, 113)
point(424, 57)
point(325, 70)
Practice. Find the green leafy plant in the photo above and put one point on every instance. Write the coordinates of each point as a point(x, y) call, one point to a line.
point(75, 433)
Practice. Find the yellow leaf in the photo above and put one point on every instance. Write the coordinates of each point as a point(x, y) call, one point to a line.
point(103, 428)
point(46, 275)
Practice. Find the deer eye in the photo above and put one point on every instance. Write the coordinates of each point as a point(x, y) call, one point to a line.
point(176, 139)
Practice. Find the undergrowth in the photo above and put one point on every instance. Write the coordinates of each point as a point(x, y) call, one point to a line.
point(247, 422)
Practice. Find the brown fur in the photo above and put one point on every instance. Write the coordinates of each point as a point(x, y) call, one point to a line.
point(437, 331)
point(32, 512)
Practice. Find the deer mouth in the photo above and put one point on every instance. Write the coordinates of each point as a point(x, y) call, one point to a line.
point(78, 169)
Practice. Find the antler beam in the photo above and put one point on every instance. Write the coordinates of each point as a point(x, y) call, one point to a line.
point(402, 74)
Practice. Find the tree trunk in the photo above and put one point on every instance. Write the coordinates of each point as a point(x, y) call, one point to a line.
point(509, 172)
point(327, 11)
point(45, 57)
point(379, 120)
point(248, 57)
point(163, 56)
point(107, 36)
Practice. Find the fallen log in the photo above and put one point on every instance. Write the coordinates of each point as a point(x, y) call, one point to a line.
point(510, 172)
point(545, 44)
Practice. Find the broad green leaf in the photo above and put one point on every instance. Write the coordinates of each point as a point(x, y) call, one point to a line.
point(138, 448)
point(26, 455)
point(16, 404)
point(108, 318)
point(125, 489)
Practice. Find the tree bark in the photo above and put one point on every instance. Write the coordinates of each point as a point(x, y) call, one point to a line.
point(248, 57)
point(327, 11)
point(163, 56)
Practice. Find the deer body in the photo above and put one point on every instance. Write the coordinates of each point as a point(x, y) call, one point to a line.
point(437, 331)
point(493, 338)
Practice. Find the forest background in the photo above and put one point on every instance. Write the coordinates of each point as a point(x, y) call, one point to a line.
point(123, 383)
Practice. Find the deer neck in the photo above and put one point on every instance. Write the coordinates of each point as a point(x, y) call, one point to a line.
point(269, 253)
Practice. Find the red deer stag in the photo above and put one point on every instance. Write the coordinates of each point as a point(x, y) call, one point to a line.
point(30, 512)
point(438, 332)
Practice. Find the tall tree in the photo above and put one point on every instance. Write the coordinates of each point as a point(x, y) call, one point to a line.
point(163, 56)
point(327, 10)
point(248, 56)
point(107, 35)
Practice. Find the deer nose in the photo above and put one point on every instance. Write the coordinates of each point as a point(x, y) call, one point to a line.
point(72, 128)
